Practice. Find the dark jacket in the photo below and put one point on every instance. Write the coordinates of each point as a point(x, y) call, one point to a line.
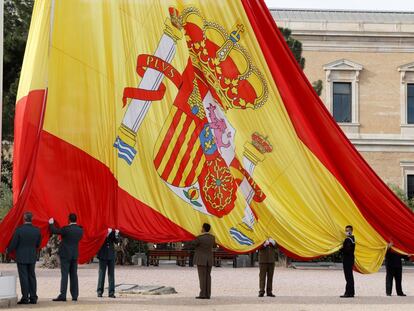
point(107, 250)
point(26, 241)
point(393, 260)
point(71, 235)
point(203, 249)
point(348, 248)
point(267, 254)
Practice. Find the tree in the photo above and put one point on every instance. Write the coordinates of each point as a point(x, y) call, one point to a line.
point(402, 196)
point(17, 15)
point(295, 47)
point(317, 86)
point(6, 197)
point(50, 253)
point(6, 200)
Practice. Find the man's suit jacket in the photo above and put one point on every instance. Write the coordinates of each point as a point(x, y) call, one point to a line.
point(26, 241)
point(203, 249)
point(267, 254)
point(348, 249)
point(393, 260)
point(71, 235)
point(107, 251)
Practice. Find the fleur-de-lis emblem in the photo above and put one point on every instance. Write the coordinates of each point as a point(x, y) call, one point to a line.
point(208, 144)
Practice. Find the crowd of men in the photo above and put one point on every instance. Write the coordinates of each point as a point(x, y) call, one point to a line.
point(27, 238)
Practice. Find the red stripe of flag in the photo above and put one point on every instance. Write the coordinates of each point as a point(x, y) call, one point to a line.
point(177, 147)
point(195, 163)
point(186, 158)
point(167, 138)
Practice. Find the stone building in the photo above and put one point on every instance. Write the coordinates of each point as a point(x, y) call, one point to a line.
point(366, 62)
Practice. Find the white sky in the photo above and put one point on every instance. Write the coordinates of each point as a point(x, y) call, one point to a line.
point(377, 5)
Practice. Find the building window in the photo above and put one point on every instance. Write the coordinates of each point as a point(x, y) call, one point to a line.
point(410, 103)
point(342, 102)
point(410, 186)
point(407, 99)
point(408, 178)
point(342, 93)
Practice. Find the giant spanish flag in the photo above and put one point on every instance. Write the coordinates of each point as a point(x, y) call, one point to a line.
point(157, 116)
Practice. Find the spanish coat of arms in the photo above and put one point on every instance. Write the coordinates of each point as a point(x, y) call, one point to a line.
point(195, 151)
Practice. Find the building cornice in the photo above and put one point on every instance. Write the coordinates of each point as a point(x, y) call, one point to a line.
point(343, 64)
point(343, 15)
point(354, 31)
point(341, 11)
point(353, 41)
point(382, 142)
point(406, 67)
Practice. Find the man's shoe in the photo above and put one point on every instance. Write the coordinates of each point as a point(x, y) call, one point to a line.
point(59, 299)
point(261, 295)
point(99, 295)
point(401, 294)
point(23, 302)
point(271, 295)
point(112, 296)
point(32, 301)
point(346, 296)
point(199, 297)
point(74, 299)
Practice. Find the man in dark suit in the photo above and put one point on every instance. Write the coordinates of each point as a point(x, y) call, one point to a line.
point(267, 257)
point(348, 250)
point(393, 266)
point(26, 241)
point(106, 256)
point(203, 258)
point(68, 254)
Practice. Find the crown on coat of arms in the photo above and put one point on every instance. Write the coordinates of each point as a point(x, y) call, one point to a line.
point(261, 143)
point(224, 63)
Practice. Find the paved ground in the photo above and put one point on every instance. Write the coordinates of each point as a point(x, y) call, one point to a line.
point(233, 289)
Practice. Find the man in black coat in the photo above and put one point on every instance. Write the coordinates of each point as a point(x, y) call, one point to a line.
point(348, 251)
point(68, 254)
point(393, 266)
point(106, 256)
point(26, 241)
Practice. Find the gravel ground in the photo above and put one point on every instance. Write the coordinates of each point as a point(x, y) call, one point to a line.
point(232, 289)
